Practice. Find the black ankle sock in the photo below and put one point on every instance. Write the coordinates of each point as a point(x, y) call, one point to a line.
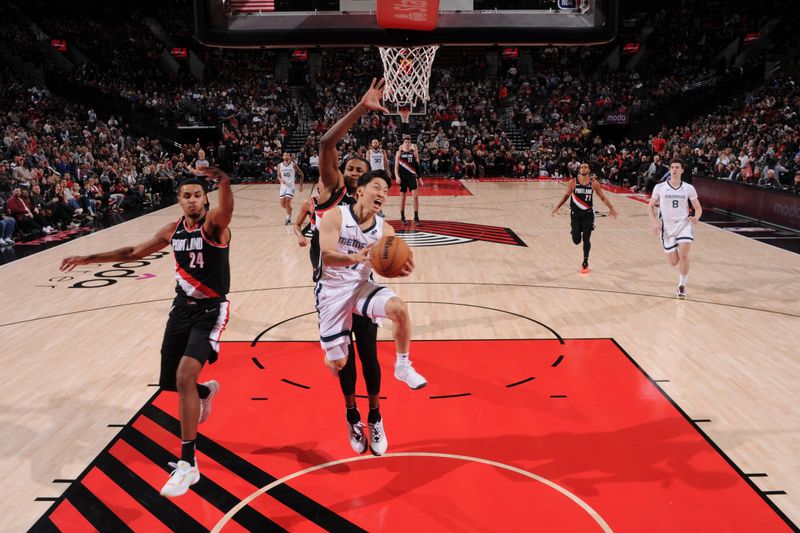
point(353, 416)
point(374, 415)
point(203, 391)
point(402, 215)
point(416, 215)
point(187, 451)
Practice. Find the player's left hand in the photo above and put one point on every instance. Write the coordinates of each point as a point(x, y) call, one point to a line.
point(420, 182)
point(613, 213)
point(693, 219)
point(213, 174)
point(372, 98)
point(408, 268)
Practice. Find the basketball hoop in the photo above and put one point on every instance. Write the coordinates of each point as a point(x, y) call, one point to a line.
point(407, 72)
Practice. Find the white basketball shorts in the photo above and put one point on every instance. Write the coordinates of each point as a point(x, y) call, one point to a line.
point(336, 306)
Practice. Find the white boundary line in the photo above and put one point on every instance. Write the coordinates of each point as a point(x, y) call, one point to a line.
point(582, 504)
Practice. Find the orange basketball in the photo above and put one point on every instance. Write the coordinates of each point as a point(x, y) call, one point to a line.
point(389, 255)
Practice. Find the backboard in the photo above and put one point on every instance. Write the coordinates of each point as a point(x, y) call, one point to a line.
point(311, 23)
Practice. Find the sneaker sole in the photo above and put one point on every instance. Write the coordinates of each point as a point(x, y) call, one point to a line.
point(409, 386)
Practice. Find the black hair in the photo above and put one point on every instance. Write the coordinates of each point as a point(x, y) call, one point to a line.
point(351, 158)
point(366, 177)
point(679, 161)
point(193, 181)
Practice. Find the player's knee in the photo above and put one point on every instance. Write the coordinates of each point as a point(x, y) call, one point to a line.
point(185, 380)
point(397, 310)
point(576, 238)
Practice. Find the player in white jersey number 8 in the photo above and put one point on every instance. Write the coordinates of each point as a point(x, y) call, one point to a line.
point(669, 212)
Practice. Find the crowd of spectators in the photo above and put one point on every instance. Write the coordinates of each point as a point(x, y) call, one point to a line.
point(62, 164)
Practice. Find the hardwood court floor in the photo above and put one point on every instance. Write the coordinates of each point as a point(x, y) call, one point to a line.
point(80, 350)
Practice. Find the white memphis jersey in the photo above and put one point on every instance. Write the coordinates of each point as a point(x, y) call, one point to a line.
point(377, 160)
point(673, 204)
point(287, 174)
point(352, 239)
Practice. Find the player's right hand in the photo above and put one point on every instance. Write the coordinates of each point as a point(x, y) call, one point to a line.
point(372, 98)
point(554, 212)
point(68, 263)
point(362, 256)
point(397, 180)
point(301, 241)
point(655, 229)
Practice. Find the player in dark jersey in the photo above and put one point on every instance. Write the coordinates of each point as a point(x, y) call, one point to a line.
point(335, 185)
point(406, 165)
point(199, 312)
point(580, 193)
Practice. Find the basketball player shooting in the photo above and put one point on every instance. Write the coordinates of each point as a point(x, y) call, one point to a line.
point(199, 312)
point(346, 235)
point(337, 187)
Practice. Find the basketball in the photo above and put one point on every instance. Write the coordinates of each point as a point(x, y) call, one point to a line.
point(389, 255)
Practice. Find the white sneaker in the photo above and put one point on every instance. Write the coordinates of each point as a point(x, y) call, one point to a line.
point(205, 405)
point(377, 438)
point(681, 292)
point(6, 242)
point(405, 372)
point(357, 440)
point(47, 229)
point(183, 477)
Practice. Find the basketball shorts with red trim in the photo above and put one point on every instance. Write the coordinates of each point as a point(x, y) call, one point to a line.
point(193, 329)
point(336, 306)
point(675, 232)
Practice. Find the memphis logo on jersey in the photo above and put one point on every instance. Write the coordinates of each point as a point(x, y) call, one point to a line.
point(444, 233)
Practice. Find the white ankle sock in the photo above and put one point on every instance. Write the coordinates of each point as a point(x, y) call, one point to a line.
point(682, 280)
point(401, 358)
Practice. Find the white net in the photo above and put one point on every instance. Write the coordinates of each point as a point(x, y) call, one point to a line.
point(407, 72)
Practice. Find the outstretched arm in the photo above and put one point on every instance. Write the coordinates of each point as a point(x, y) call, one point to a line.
point(329, 174)
point(570, 188)
point(128, 253)
point(219, 218)
point(599, 192)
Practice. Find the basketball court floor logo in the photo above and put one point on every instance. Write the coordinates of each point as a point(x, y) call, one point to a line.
point(444, 233)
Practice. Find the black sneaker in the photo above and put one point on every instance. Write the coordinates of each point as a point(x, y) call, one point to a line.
point(417, 222)
point(403, 219)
